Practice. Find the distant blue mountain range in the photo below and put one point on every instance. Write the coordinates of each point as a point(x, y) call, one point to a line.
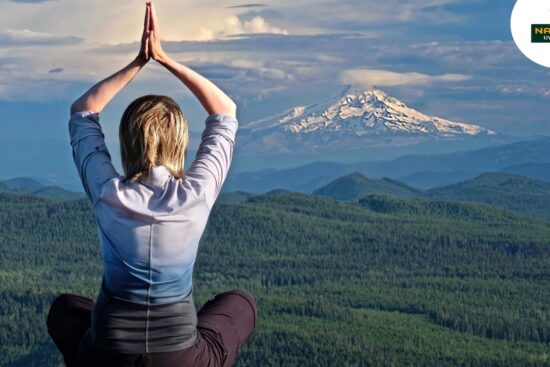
point(29, 186)
point(530, 158)
point(404, 176)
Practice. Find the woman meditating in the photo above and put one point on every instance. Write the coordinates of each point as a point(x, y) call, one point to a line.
point(150, 221)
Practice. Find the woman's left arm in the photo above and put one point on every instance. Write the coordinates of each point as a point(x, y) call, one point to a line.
point(97, 97)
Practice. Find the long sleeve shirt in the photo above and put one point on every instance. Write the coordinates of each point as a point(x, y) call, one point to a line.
point(150, 230)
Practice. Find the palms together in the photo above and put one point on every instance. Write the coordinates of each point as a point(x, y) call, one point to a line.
point(150, 39)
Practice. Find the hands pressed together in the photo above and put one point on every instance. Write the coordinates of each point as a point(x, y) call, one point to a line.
point(211, 97)
point(150, 39)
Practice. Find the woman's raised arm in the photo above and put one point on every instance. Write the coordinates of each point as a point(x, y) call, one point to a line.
point(214, 100)
point(97, 97)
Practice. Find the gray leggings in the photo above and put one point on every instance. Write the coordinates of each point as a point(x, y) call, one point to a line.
point(224, 324)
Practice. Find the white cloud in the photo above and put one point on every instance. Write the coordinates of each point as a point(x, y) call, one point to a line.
point(235, 26)
point(380, 78)
point(26, 37)
point(179, 20)
point(29, 1)
point(260, 69)
point(251, 5)
point(327, 42)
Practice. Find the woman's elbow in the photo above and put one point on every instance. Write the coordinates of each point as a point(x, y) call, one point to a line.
point(78, 106)
point(227, 107)
point(85, 106)
point(232, 108)
point(74, 108)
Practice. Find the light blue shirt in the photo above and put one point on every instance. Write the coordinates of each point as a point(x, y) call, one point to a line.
point(150, 230)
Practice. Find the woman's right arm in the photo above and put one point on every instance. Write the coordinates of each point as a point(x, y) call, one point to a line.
point(214, 100)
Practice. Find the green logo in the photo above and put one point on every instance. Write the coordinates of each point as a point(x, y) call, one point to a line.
point(540, 33)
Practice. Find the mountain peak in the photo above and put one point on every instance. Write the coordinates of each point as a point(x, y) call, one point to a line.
point(365, 112)
point(22, 184)
point(357, 90)
point(355, 185)
point(357, 121)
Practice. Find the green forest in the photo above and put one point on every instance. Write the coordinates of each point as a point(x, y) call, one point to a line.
point(381, 281)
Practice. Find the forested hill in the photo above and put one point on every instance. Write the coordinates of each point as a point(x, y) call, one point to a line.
point(512, 192)
point(355, 185)
point(378, 282)
point(29, 186)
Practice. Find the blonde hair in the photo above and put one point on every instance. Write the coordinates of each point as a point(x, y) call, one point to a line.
point(153, 131)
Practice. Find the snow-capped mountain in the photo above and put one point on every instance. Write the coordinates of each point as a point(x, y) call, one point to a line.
point(355, 118)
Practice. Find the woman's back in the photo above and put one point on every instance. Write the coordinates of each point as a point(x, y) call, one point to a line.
point(150, 235)
point(150, 230)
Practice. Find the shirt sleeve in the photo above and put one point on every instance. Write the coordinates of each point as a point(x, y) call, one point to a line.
point(214, 156)
point(90, 153)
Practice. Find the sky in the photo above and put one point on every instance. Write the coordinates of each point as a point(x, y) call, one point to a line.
point(449, 58)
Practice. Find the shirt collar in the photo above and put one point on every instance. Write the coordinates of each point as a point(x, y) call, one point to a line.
point(157, 176)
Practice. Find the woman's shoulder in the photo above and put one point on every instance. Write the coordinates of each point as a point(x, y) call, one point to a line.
point(169, 196)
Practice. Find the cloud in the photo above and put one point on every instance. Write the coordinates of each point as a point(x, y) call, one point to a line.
point(260, 69)
point(29, 1)
point(251, 5)
point(240, 70)
point(26, 37)
point(233, 25)
point(22, 83)
point(285, 52)
point(381, 78)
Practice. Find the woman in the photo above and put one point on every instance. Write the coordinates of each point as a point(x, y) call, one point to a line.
point(150, 222)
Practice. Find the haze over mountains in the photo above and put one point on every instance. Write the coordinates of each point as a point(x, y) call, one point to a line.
point(336, 132)
point(420, 171)
point(29, 186)
point(511, 176)
point(355, 130)
point(540, 171)
point(520, 194)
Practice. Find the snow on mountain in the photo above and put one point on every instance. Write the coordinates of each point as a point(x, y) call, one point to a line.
point(365, 112)
point(354, 118)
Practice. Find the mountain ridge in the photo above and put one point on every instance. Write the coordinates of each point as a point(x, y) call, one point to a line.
point(520, 194)
point(30, 186)
point(311, 176)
